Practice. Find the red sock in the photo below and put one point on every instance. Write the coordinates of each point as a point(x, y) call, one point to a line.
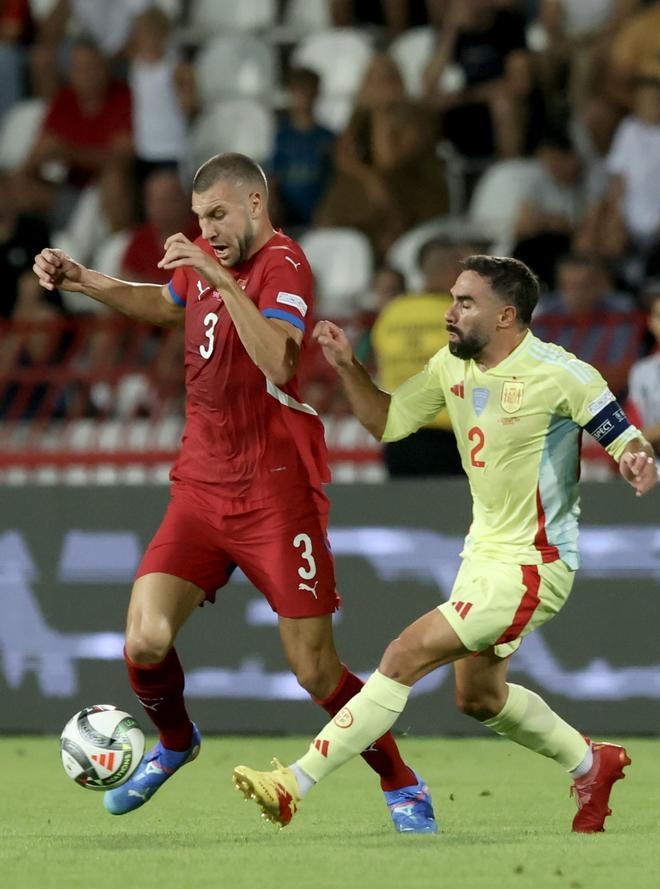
point(383, 756)
point(159, 688)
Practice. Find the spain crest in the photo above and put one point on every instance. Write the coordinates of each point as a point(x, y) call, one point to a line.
point(512, 396)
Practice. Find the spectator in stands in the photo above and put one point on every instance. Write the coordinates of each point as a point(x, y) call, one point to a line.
point(644, 380)
point(634, 54)
point(107, 24)
point(167, 211)
point(20, 238)
point(480, 79)
point(394, 15)
point(386, 283)
point(388, 178)
point(301, 165)
point(579, 36)
point(629, 215)
point(157, 77)
point(87, 134)
point(15, 31)
point(589, 318)
point(551, 209)
point(408, 331)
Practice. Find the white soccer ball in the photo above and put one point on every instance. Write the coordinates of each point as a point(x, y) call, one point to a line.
point(101, 747)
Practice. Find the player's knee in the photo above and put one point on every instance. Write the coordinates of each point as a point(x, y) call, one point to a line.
point(478, 704)
point(399, 661)
point(318, 675)
point(148, 648)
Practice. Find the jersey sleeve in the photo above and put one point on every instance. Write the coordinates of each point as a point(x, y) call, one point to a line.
point(287, 291)
point(591, 405)
point(178, 287)
point(416, 402)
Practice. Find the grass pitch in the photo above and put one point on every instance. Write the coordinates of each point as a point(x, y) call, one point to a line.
point(504, 813)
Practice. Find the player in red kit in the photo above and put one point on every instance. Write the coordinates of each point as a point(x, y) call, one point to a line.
point(247, 486)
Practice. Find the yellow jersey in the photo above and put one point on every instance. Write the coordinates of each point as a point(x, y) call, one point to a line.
point(518, 428)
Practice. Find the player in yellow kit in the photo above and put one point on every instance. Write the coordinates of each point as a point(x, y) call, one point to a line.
point(518, 406)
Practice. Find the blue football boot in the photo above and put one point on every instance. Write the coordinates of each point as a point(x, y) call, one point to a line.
point(411, 808)
point(156, 767)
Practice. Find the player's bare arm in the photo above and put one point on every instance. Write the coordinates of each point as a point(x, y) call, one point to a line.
point(145, 302)
point(273, 345)
point(637, 466)
point(369, 403)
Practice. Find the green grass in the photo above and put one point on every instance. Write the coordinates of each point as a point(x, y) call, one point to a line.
point(505, 817)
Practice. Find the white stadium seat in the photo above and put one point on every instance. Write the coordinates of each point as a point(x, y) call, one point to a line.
point(339, 55)
point(236, 65)
point(404, 251)
point(307, 16)
point(497, 197)
point(75, 303)
point(213, 16)
point(19, 130)
point(109, 255)
point(342, 262)
point(334, 111)
point(234, 125)
point(412, 52)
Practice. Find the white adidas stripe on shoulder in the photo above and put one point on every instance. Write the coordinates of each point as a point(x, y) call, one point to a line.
point(554, 355)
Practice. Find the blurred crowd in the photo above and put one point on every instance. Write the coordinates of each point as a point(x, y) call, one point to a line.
point(398, 136)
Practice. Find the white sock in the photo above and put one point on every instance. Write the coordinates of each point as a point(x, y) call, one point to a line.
point(585, 765)
point(305, 781)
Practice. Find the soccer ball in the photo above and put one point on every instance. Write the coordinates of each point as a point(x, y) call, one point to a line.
point(101, 747)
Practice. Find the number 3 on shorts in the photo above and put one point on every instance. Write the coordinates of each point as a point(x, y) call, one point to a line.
point(305, 541)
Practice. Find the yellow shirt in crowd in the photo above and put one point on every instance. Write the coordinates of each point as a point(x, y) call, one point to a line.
point(407, 333)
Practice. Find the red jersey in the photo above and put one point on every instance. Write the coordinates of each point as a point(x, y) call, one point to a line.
point(145, 250)
point(246, 438)
point(66, 120)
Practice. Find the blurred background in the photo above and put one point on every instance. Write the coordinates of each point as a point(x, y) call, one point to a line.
point(398, 137)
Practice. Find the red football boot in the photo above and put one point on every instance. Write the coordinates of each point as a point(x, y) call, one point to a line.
point(592, 791)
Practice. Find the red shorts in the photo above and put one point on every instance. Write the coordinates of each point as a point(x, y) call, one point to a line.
point(282, 548)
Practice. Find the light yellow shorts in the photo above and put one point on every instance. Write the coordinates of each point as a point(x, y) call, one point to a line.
point(497, 603)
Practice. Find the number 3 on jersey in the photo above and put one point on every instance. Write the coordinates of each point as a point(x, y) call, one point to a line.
point(476, 434)
point(210, 320)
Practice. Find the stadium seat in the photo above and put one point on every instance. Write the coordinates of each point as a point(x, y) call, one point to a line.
point(41, 8)
point(403, 253)
point(339, 55)
point(108, 256)
point(18, 131)
point(75, 303)
point(334, 111)
point(412, 52)
point(237, 65)
point(307, 16)
point(234, 125)
point(342, 262)
point(497, 198)
point(213, 16)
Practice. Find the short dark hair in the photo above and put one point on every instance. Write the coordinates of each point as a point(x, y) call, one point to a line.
point(303, 78)
point(238, 169)
point(510, 279)
point(438, 242)
point(556, 139)
point(584, 261)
